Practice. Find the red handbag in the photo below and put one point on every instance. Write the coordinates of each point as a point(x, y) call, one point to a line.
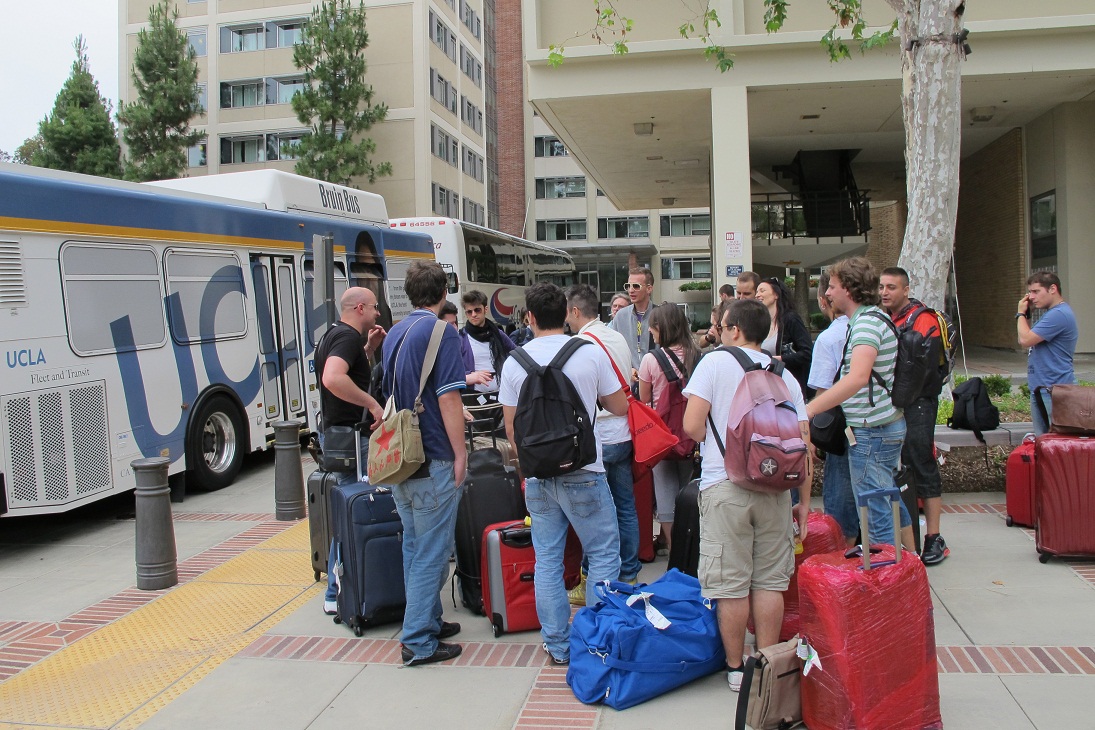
point(650, 437)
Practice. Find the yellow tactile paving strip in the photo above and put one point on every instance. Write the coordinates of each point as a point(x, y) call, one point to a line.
point(120, 675)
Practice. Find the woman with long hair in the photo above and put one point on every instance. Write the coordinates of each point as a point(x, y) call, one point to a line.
point(672, 334)
point(788, 340)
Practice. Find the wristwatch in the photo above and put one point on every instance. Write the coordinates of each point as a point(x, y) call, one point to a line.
point(1022, 314)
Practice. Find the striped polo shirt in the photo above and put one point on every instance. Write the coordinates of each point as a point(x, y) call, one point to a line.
point(869, 330)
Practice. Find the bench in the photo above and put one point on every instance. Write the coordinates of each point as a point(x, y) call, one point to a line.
point(1008, 434)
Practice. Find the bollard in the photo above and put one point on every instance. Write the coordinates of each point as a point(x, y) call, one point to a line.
point(288, 473)
point(157, 561)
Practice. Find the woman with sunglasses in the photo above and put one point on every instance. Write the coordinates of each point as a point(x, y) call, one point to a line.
point(672, 334)
point(788, 340)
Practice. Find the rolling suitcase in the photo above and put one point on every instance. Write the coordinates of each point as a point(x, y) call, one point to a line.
point(492, 494)
point(1019, 484)
point(823, 535)
point(870, 623)
point(509, 569)
point(320, 484)
point(684, 549)
point(1064, 500)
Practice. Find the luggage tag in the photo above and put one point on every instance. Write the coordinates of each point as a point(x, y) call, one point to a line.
point(807, 653)
point(850, 435)
point(656, 618)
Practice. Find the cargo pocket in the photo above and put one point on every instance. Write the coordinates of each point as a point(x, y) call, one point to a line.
point(710, 567)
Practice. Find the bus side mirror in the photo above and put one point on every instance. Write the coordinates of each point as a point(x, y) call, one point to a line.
point(454, 282)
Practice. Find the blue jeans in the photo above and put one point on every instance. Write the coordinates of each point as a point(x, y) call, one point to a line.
point(872, 464)
point(617, 461)
point(427, 508)
point(1040, 424)
point(582, 499)
point(837, 496)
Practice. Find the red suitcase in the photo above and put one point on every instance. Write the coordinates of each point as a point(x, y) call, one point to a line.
point(1065, 498)
point(509, 568)
point(1019, 484)
point(874, 633)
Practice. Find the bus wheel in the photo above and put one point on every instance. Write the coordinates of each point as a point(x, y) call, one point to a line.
point(214, 453)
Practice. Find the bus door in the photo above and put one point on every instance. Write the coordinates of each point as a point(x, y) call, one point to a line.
point(279, 345)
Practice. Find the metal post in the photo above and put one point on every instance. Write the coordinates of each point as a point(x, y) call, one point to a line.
point(288, 473)
point(157, 560)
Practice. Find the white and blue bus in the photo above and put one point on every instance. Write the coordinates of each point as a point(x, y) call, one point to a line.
point(144, 321)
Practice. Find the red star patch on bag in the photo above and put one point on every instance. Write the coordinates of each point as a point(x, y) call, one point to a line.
point(384, 440)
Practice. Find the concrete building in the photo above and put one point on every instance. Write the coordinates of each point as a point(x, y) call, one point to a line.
point(662, 123)
point(426, 61)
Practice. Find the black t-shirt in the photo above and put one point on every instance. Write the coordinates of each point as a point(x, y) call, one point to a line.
point(345, 342)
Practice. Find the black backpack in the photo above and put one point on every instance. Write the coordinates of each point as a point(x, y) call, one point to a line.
point(553, 430)
point(973, 411)
point(911, 367)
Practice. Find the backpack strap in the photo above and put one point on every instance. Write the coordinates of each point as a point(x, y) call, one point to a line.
point(747, 364)
point(677, 361)
point(663, 362)
point(525, 361)
point(875, 377)
point(567, 350)
point(971, 417)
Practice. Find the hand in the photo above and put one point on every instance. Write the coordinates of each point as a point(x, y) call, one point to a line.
point(468, 416)
point(375, 338)
point(802, 512)
point(378, 416)
point(816, 453)
point(634, 375)
point(460, 468)
point(479, 377)
point(1024, 305)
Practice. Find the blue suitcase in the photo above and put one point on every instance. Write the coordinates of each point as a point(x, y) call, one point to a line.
point(368, 538)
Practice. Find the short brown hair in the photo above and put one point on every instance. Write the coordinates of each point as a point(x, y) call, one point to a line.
point(474, 297)
point(1046, 279)
point(642, 271)
point(425, 284)
point(750, 276)
point(859, 277)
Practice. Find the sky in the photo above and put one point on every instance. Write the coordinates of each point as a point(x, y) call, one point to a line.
point(36, 57)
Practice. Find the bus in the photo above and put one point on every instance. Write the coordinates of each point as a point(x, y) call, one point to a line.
point(145, 321)
point(497, 264)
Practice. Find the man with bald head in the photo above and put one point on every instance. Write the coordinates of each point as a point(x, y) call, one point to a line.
point(343, 371)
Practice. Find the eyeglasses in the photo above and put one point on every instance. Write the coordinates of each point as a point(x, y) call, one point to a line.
point(374, 306)
point(477, 310)
point(630, 285)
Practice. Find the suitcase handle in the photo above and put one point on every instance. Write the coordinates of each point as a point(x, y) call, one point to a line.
point(863, 500)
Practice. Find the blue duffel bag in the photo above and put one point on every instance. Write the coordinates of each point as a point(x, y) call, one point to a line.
point(643, 641)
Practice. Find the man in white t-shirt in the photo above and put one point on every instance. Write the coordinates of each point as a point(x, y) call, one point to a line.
point(828, 354)
point(746, 554)
point(580, 498)
point(612, 433)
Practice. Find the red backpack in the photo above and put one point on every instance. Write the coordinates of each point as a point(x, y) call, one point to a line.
point(764, 448)
point(670, 407)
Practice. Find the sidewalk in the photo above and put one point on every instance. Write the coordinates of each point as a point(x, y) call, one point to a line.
point(242, 641)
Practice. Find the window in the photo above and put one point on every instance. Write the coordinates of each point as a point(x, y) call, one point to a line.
point(548, 188)
point(474, 164)
point(283, 145)
point(511, 264)
point(240, 94)
point(572, 229)
point(442, 37)
point(473, 212)
point(470, 18)
point(686, 268)
point(698, 224)
point(444, 145)
point(551, 147)
point(113, 298)
point(203, 95)
point(471, 115)
point(243, 149)
point(236, 39)
point(445, 201)
point(442, 91)
point(197, 41)
point(451, 4)
point(200, 285)
point(1043, 232)
point(195, 155)
point(284, 33)
point(623, 227)
point(471, 67)
point(281, 91)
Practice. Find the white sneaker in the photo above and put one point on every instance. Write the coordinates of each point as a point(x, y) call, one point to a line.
point(734, 677)
point(330, 607)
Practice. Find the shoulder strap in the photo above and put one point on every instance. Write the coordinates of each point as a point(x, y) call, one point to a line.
point(663, 363)
point(430, 359)
point(612, 362)
point(747, 363)
point(567, 350)
point(875, 377)
point(747, 672)
point(525, 360)
point(677, 361)
point(971, 411)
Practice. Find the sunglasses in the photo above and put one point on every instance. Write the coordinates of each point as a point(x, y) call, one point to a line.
point(477, 310)
point(629, 285)
point(374, 306)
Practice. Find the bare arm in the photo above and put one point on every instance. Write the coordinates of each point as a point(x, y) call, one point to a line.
point(695, 418)
point(1027, 338)
point(863, 358)
point(507, 417)
point(336, 380)
point(452, 415)
point(616, 404)
point(646, 391)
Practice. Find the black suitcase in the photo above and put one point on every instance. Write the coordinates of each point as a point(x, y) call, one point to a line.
point(369, 556)
point(492, 494)
point(320, 484)
point(684, 553)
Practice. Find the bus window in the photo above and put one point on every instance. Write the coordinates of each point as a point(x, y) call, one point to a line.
point(511, 264)
point(208, 301)
point(107, 284)
point(316, 318)
point(482, 263)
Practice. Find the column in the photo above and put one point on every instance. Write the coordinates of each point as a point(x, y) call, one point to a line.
point(731, 212)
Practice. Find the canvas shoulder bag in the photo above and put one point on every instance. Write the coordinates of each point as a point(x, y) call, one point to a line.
point(395, 447)
point(770, 696)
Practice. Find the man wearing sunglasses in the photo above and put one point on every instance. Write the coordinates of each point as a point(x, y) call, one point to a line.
point(633, 322)
point(483, 344)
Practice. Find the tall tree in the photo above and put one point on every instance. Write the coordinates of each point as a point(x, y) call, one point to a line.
point(5, 156)
point(336, 101)
point(78, 134)
point(156, 127)
point(25, 152)
point(932, 45)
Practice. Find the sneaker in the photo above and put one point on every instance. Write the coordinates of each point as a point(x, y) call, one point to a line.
point(330, 607)
point(734, 677)
point(555, 660)
point(443, 653)
point(577, 594)
point(448, 629)
point(935, 550)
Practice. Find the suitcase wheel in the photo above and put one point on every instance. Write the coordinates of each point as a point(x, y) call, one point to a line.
point(1007, 521)
point(496, 628)
point(338, 619)
point(1043, 558)
point(358, 630)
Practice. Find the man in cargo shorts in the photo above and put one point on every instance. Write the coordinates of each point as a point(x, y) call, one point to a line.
point(746, 545)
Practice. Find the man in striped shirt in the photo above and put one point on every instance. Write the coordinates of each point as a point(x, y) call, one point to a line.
point(867, 373)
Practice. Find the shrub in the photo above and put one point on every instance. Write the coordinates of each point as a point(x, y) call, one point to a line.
point(819, 321)
point(946, 408)
point(1024, 390)
point(997, 385)
point(696, 286)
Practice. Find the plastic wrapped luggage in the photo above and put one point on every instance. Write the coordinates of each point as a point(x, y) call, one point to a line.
point(1019, 484)
point(874, 633)
point(684, 550)
point(1064, 472)
point(509, 569)
point(823, 535)
point(319, 486)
